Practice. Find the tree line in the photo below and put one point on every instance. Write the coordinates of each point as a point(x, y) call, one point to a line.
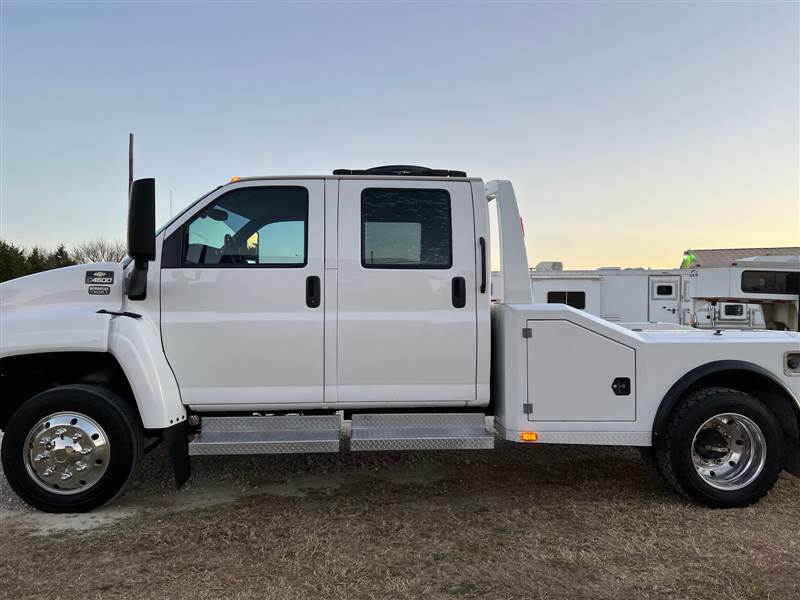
point(16, 261)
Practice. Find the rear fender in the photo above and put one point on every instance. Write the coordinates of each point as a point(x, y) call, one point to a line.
point(748, 375)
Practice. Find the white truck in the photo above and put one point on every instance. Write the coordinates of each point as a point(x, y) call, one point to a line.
point(274, 309)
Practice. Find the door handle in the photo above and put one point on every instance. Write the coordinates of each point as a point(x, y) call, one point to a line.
point(482, 243)
point(459, 292)
point(313, 291)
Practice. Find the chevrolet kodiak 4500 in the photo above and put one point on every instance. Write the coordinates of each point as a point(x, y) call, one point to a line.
point(275, 308)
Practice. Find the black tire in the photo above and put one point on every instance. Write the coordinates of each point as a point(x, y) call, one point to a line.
point(119, 421)
point(674, 453)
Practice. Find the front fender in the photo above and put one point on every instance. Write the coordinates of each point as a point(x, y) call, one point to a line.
point(136, 344)
point(42, 329)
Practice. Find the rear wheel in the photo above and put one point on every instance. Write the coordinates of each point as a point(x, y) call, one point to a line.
point(71, 448)
point(722, 448)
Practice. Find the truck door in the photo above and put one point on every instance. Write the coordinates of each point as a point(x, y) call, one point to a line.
point(241, 302)
point(407, 328)
point(665, 299)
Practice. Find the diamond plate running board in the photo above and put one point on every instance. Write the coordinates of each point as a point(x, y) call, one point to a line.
point(267, 435)
point(421, 431)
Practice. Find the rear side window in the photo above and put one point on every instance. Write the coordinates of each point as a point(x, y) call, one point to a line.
point(406, 229)
point(573, 299)
point(770, 282)
point(265, 227)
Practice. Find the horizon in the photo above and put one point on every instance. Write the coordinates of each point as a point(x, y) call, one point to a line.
point(631, 132)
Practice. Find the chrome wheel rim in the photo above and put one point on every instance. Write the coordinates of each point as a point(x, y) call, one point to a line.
point(729, 451)
point(66, 453)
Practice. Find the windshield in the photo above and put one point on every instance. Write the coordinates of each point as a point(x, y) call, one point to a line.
point(164, 227)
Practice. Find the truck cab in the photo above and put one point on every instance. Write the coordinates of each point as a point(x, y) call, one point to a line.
point(311, 292)
point(274, 309)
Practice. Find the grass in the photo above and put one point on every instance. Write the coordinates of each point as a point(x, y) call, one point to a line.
point(520, 522)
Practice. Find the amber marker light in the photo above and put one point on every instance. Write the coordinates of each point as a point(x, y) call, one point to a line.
point(529, 436)
point(234, 179)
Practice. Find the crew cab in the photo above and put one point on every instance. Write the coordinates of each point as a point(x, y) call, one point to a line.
point(274, 309)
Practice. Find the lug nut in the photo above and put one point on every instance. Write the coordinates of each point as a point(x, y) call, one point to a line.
point(76, 437)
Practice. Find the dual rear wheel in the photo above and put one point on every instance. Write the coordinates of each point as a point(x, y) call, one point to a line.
point(722, 448)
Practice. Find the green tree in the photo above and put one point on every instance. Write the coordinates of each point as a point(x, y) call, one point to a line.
point(60, 258)
point(37, 260)
point(13, 262)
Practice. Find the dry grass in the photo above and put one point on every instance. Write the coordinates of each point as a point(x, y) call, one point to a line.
point(520, 522)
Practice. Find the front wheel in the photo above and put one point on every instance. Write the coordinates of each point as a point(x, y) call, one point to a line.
point(71, 448)
point(722, 448)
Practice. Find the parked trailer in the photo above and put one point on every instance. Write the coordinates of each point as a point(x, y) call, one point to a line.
point(750, 293)
point(273, 309)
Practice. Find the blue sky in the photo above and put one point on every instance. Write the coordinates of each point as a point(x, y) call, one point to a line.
point(631, 131)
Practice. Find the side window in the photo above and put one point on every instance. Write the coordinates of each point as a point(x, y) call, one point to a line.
point(576, 300)
point(573, 299)
point(770, 282)
point(664, 290)
point(251, 226)
point(734, 310)
point(406, 229)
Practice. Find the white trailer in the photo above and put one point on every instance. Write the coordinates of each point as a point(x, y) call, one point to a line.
point(751, 293)
point(273, 309)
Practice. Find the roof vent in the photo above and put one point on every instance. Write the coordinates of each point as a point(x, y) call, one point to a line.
point(402, 170)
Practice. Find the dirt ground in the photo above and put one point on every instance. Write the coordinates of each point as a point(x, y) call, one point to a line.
point(519, 522)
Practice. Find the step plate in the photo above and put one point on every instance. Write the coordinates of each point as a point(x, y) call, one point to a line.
point(267, 435)
point(420, 432)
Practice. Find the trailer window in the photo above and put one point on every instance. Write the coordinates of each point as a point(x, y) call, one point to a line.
point(265, 227)
point(573, 299)
point(770, 282)
point(405, 229)
point(664, 290)
point(734, 310)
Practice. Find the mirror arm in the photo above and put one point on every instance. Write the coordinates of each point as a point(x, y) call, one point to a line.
point(136, 280)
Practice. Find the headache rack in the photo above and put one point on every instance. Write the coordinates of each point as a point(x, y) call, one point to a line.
point(402, 170)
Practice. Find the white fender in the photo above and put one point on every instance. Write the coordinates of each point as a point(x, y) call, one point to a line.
point(136, 344)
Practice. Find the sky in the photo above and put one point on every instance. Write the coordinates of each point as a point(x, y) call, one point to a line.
point(631, 131)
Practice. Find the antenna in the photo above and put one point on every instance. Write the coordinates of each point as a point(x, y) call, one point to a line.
point(130, 162)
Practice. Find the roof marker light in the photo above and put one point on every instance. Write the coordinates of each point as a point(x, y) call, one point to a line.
point(235, 179)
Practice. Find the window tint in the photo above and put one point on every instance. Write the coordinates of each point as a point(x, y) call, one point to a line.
point(734, 310)
point(405, 229)
point(251, 226)
point(770, 282)
point(573, 299)
point(664, 290)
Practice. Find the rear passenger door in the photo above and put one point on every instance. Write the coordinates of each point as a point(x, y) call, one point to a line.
point(406, 292)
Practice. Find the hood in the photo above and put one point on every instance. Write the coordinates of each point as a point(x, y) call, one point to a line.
point(94, 285)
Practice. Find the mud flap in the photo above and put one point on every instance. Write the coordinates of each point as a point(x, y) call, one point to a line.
point(177, 442)
point(791, 461)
